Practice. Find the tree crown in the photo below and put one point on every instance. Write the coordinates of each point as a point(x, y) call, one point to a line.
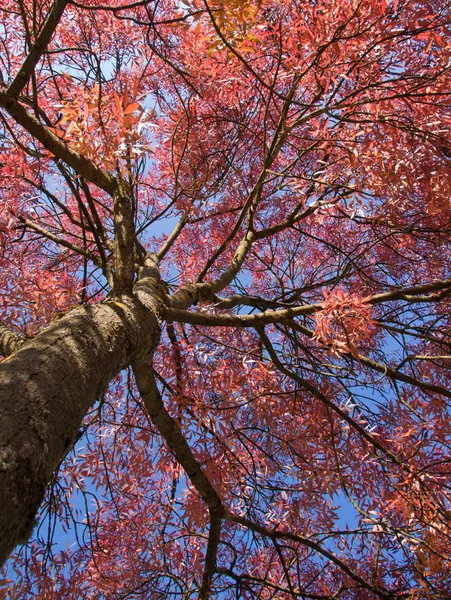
point(275, 176)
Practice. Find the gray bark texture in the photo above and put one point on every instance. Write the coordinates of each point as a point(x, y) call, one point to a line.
point(46, 388)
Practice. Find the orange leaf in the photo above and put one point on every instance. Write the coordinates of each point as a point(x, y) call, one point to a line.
point(131, 108)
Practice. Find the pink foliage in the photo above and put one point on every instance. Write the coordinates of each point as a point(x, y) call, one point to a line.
point(344, 321)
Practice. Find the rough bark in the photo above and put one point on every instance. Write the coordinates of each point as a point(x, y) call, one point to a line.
point(46, 388)
point(123, 245)
point(9, 341)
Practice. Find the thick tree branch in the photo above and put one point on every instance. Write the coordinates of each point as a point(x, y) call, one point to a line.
point(214, 537)
point(38, 48)
point(168, 428)
point(123, 240)
point(56, 146)
point(195, 292)
point(415, 294)
point(172, 238)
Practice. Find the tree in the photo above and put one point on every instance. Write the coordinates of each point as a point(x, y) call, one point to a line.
point(225, 298)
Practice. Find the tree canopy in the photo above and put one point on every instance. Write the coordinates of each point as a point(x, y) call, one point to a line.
point(225, 299)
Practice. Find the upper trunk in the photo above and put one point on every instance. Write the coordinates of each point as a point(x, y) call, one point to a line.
point(47, 387)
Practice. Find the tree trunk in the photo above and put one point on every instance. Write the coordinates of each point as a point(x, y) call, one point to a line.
point(47, 387)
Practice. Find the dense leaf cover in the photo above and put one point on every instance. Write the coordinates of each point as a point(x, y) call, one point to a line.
point(288, 164)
